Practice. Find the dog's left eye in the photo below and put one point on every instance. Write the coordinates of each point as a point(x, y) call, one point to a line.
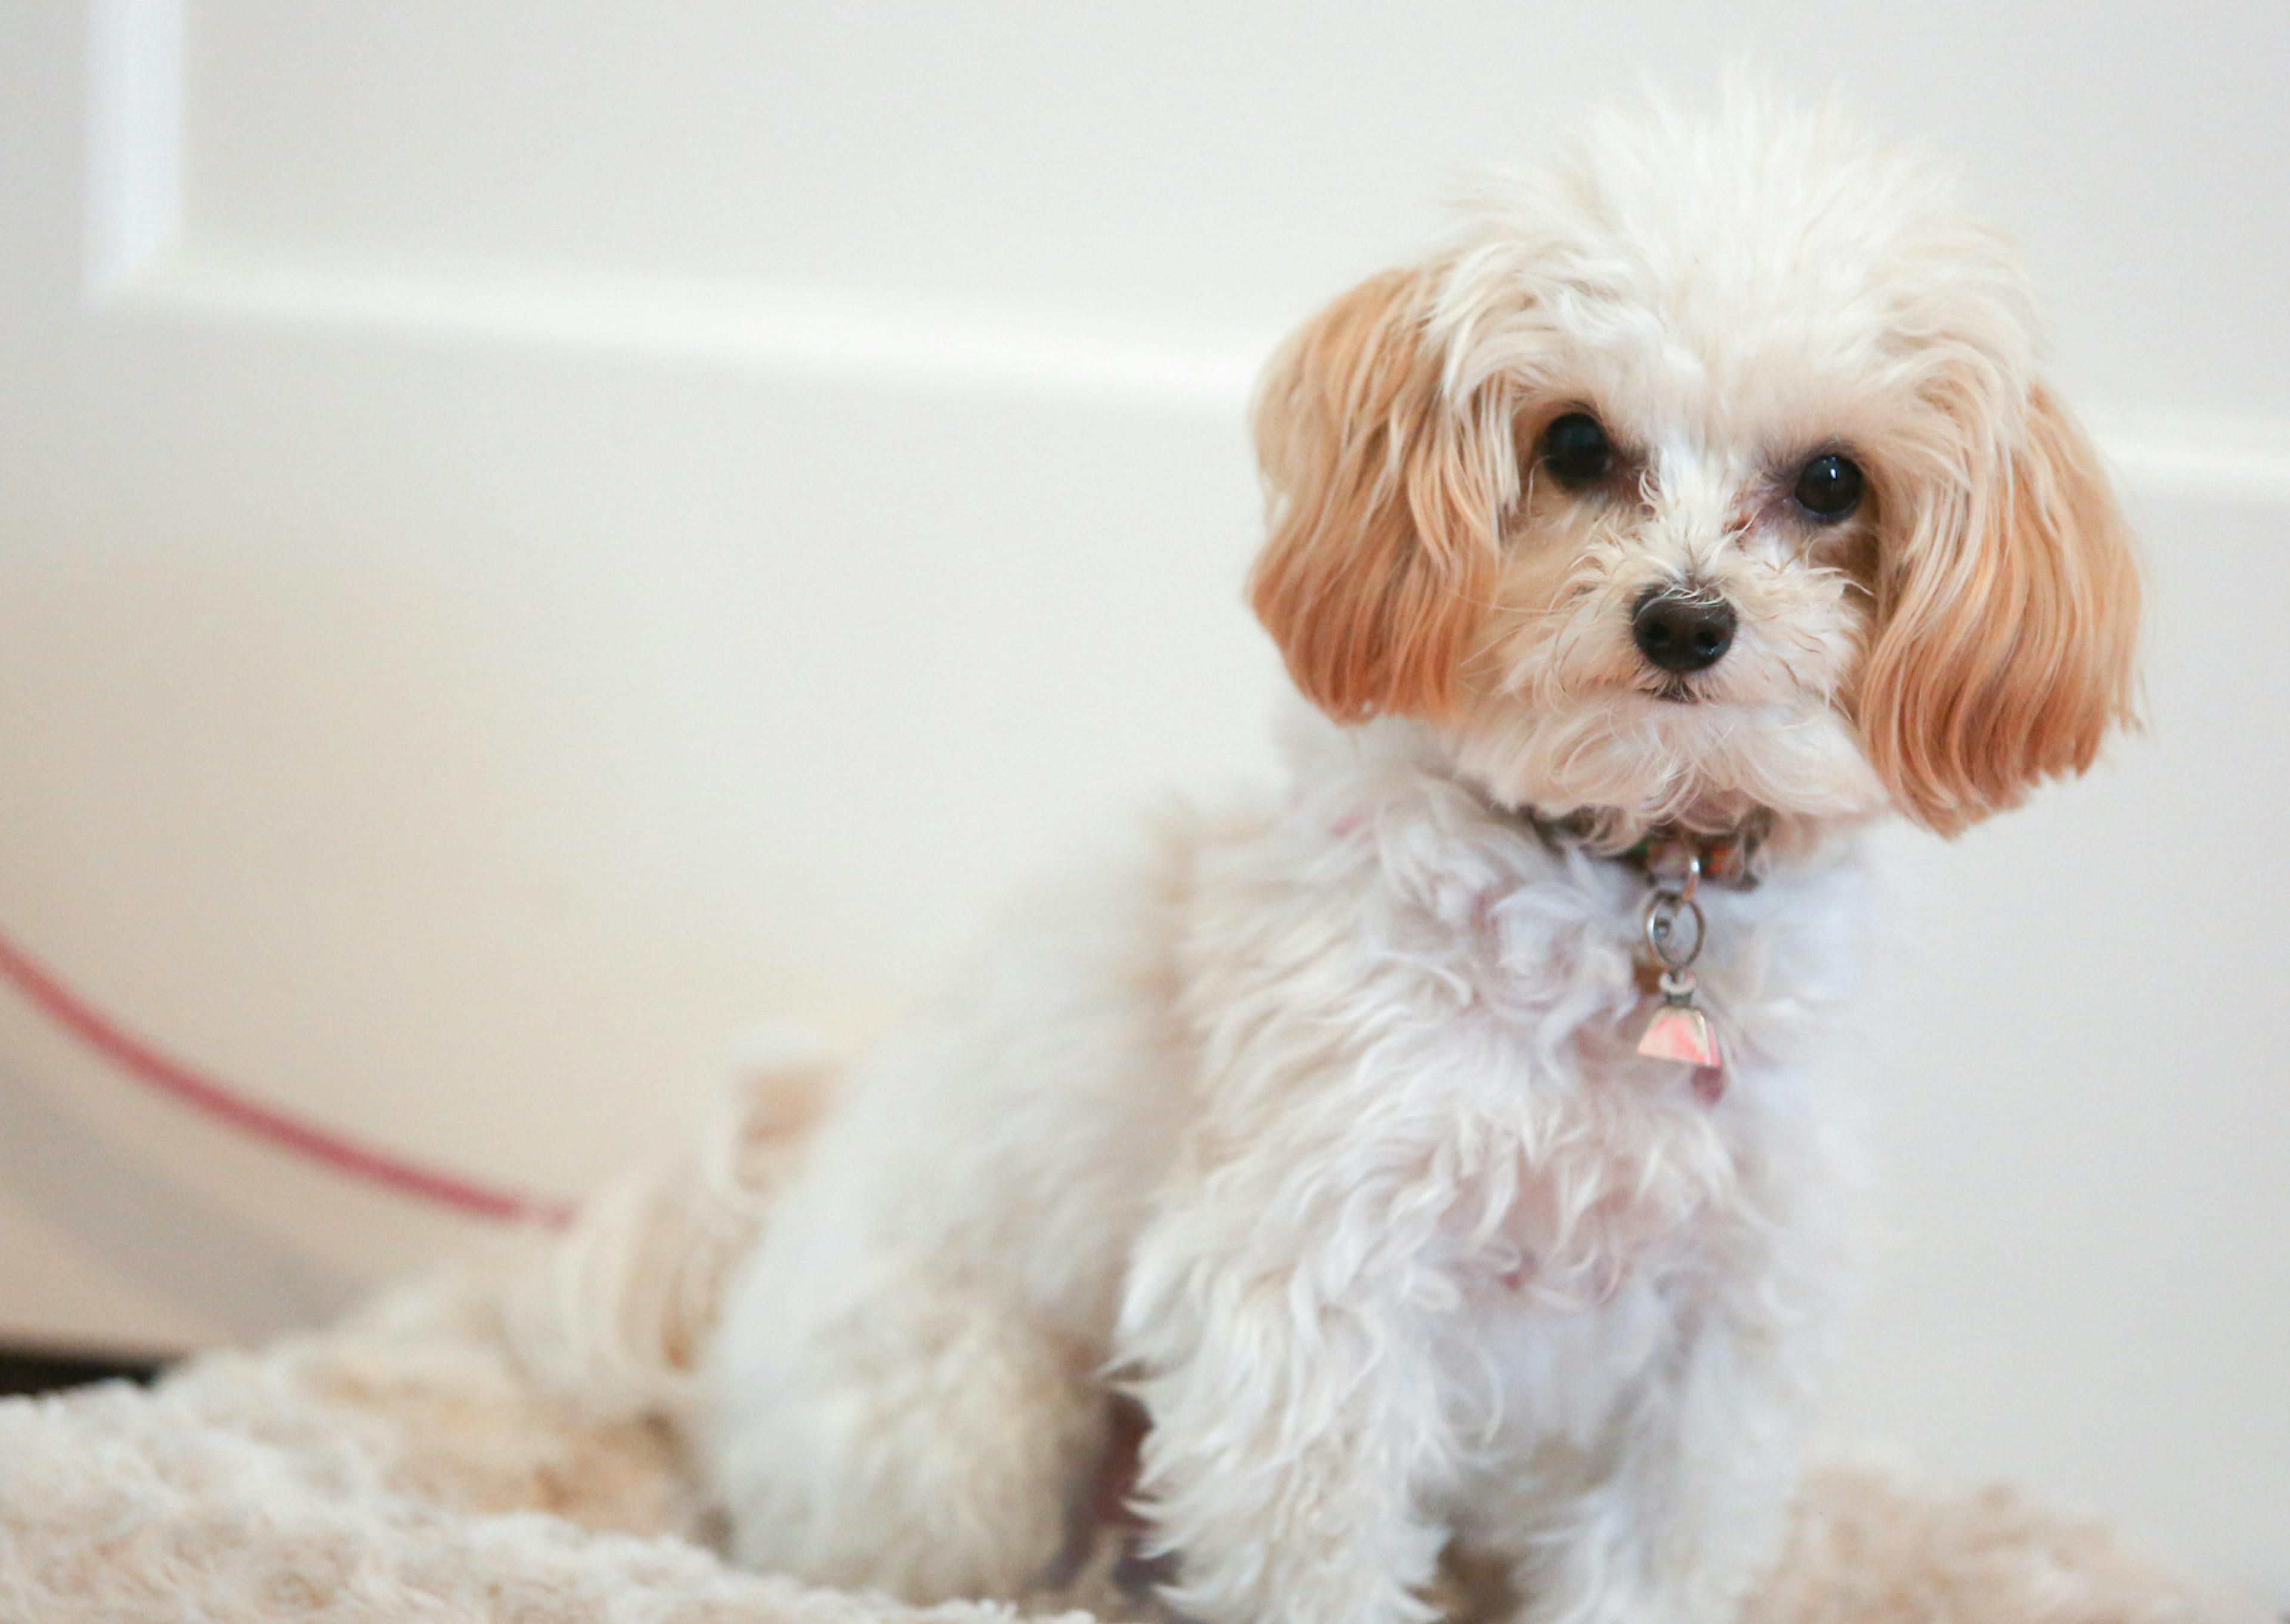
point(1576, 450)
point(1829, 487)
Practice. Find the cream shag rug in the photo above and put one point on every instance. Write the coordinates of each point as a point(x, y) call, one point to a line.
point(501, 1444)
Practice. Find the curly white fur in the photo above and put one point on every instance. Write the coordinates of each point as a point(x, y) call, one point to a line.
point(1315, 1124)
point(414, 1463)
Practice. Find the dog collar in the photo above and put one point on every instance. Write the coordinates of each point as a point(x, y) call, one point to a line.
point(1734, 858)
point(1676, 863)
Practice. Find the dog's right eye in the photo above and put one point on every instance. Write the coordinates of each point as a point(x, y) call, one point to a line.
point(1577, 451)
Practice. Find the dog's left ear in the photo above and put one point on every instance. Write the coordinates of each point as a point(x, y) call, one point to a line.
point(2008, 625)
point(1387, 499)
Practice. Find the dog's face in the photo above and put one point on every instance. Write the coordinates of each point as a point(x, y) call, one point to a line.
point(1708, 471)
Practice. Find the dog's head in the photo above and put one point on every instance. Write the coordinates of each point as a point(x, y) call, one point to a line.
point(1708, 470)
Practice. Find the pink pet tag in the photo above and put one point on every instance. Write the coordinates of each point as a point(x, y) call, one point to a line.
point(1678, 1031)
point(1679, 1028)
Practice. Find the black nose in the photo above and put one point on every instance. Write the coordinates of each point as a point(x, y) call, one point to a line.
point(1683, 633)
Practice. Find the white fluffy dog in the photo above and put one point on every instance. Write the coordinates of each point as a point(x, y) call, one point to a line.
point(1699, 502)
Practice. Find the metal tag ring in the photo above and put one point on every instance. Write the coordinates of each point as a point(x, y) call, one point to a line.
point(1662, 916)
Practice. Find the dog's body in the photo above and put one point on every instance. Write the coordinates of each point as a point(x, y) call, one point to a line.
point(1705, 487)
point(1323, 1113)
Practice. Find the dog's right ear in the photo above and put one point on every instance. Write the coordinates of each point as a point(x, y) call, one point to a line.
point(1386, 503)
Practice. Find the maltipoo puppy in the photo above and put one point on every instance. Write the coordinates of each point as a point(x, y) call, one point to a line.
point(1424, 1154)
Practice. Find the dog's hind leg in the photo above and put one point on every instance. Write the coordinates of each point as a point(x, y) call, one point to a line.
point(921, 1436)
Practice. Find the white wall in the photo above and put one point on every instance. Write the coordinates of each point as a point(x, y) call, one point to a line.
point(540, 539)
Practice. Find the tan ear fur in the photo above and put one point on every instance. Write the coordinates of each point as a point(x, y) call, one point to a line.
point(2008, 626)
point(1385, 508)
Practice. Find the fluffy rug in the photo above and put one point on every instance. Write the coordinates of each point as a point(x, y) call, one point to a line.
point(500, 1445)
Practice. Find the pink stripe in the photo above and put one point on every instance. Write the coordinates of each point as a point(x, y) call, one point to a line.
point(201, 1092)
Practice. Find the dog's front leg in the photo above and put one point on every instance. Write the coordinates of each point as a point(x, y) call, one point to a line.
point(1690, 1506)
point(1282, 1346)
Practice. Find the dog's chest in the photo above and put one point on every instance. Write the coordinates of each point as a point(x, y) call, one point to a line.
point(1608, 1168)
point(1445, 1012)
point(1590, 1191)
point(1556, 955)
